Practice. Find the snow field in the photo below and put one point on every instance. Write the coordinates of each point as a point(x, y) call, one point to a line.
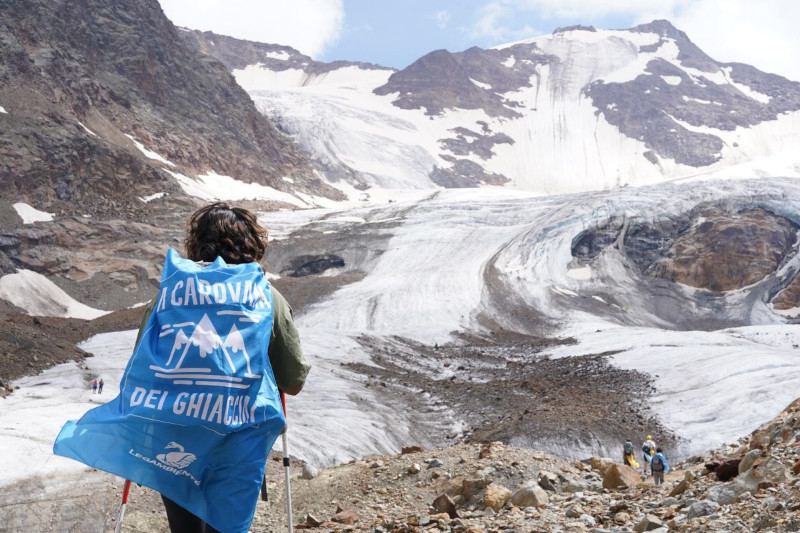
point(32, 416)
point(39, 296)
point(712, 387)
point(30, 214)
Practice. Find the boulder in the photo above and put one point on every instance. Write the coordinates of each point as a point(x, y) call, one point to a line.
point(649, 523)
point(548, 481)
point(601, 464)
point(680, 488)
point(471, 487)
point(530, 496)
point(311, 521)
point(728, 470)
point(749, 460)
point(496, 496)
point(701, 508)
point(347, 517)
point(727, 493)
point(451, 487)
point(444, 504)
point(411, 449)
point(770, 472)
point(621, 477)
point(574, 511)
point(434, 463)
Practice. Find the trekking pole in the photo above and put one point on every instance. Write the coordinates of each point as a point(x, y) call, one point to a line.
point(118, 527)
point(286, 467)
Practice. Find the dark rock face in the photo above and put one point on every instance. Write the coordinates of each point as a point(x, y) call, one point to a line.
point(788, 298)
point(644, 108)
point(309, 265)
point(442, 80)
point(469, 142)
point(237, 54)
point(728, 251)
point(708, 248)
point(121, 68)
point(572, 28)
point(725, 469)
point(473, 79)
point(464, 173)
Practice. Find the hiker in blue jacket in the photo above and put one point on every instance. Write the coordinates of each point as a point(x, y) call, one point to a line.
point(659, 466)
point(234, 234)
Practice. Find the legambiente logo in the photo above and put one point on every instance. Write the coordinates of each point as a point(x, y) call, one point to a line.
point(173, 462)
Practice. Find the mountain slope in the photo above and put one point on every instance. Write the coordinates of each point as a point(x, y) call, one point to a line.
point(83, 82)
point(581, 109)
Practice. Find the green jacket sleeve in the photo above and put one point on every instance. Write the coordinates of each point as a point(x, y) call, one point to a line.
point(285, 352)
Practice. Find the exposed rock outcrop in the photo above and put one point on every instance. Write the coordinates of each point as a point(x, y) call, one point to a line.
point(662, 105)
point(723, 251)
point(709, 247)
point(78, 77)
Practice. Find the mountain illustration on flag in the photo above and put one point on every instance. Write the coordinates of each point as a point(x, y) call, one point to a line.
point(203, 342)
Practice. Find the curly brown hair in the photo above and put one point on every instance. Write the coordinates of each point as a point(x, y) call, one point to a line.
point(233, 233)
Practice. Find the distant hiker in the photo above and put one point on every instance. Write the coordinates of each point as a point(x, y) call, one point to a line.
point(648, 449)
point(94, 386)
point(199, 405)
point(659, 467)
point(100, 387)
point(627, 454)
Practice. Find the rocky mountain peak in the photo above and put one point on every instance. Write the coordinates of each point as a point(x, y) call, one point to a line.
point(238, 54)
point(450, 87)
point(81, 77)
point(574, 27)
point(662, 27)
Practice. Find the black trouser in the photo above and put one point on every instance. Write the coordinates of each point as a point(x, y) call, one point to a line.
point(182, 521)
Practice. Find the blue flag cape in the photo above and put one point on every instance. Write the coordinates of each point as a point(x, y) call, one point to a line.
point(198, 409)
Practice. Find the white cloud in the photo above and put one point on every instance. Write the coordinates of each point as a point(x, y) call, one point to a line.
point(310, 26)
point(587, 9)
point(442, 18)
point(762, 33)
point(496, 21)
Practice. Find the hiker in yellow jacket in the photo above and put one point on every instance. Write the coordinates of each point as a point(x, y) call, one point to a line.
point(628, 455)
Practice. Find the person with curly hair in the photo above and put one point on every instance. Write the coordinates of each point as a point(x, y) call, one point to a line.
point(234, 234)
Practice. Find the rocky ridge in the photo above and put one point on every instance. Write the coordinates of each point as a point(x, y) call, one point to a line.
point(662, 104)
point(238, 54)
point(80, 82)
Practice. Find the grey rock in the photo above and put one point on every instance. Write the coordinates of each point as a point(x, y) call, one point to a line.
point(530, 496)
point(548, 481)
point(748, 460)
point(702, 508)
point(649, 523)
point(309, 471)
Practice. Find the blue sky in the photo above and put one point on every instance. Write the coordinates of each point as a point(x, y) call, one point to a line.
point(395, 33)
